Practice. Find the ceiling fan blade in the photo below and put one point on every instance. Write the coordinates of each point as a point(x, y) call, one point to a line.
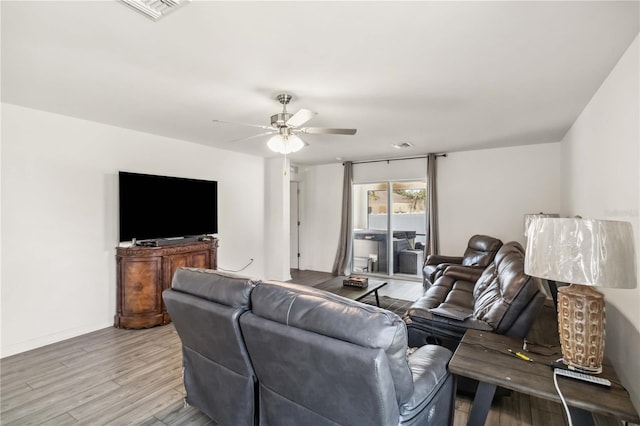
point(245, 124)
point(254, 136)
point(327, 131)
point(301, 117)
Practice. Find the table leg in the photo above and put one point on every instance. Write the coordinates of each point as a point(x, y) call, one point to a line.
point(581, 417)
point(377, 299)
point(481, 404)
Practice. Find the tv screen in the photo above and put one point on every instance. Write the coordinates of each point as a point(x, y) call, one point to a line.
point(155, 207)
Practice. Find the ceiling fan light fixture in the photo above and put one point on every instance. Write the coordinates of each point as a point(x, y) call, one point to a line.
point(285, 144)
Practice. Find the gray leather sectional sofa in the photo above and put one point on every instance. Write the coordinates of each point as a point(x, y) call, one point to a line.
point(272, 353)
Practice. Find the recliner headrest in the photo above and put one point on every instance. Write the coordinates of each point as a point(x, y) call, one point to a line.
point(227, 289)
point(481, 250)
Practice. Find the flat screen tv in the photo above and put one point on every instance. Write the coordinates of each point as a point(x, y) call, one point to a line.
point(157, 207)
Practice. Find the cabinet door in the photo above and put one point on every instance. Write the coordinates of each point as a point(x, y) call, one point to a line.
point(172, 263)
point(199, 259)
point(140, 292)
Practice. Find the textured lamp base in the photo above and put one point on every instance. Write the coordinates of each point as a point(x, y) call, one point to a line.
point(581, 325)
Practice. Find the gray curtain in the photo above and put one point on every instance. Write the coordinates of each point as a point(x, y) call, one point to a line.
point(432, 245)
point(342, 264)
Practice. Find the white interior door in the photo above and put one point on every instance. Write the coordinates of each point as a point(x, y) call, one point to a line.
point(294, 225)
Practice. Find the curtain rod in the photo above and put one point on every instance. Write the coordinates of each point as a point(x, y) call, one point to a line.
point(394, 159)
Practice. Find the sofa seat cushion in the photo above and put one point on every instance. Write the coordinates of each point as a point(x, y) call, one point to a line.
point(449, 290)
point(461, 295)
point(441, 290)
point(448, 293)
point(429, 370)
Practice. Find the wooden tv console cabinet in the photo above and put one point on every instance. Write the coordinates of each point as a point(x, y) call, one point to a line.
point(144, 272)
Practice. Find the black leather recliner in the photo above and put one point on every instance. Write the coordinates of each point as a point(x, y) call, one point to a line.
point(480, 252)
point(500, 299)
point(205, 306)
point(323, 360)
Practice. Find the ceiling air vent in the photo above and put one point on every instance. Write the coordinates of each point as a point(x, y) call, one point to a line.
point(402, 145)
point(155, 9)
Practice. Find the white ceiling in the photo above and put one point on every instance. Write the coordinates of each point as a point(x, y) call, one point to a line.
point(447, 76)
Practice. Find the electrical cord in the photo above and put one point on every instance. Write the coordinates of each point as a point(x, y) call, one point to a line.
point(564, 403)
point(237, 270)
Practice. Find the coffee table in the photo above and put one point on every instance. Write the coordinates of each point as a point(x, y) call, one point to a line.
point(335, 286)
point(484, 356)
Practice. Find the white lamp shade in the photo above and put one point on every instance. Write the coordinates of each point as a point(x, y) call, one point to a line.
point(581, 251)
point(285, 144)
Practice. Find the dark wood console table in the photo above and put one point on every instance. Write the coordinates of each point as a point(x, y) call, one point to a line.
point(144, 272)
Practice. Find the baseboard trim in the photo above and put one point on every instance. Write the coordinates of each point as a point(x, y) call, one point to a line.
point(20, 347)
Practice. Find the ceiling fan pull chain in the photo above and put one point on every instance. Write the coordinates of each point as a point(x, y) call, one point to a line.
point(285, 163)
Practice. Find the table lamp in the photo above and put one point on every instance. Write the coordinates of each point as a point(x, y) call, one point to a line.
point(585, 253)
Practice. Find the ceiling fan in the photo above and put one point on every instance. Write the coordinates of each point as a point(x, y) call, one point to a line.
point(286, 126)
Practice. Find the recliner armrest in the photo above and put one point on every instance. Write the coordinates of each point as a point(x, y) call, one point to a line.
point(466, 273)
point(436, 259)
point(428, 367)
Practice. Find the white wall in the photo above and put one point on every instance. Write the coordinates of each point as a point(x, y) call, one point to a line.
point(382, 171)
point(60, 217)
point(489, 192)
point(602, 181)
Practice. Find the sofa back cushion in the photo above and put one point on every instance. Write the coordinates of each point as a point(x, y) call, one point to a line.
point(377, 335)
point(504, 290)
point(481, 250)
point(217, 286)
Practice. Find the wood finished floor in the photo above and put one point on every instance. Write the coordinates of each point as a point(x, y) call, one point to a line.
point(122, 377)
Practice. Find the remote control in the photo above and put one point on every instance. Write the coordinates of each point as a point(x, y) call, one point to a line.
point(584, 377)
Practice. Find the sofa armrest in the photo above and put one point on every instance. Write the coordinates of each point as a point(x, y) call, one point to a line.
point(466, 273)
point(436, 259)
point(428, 366)
point(440, 267)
